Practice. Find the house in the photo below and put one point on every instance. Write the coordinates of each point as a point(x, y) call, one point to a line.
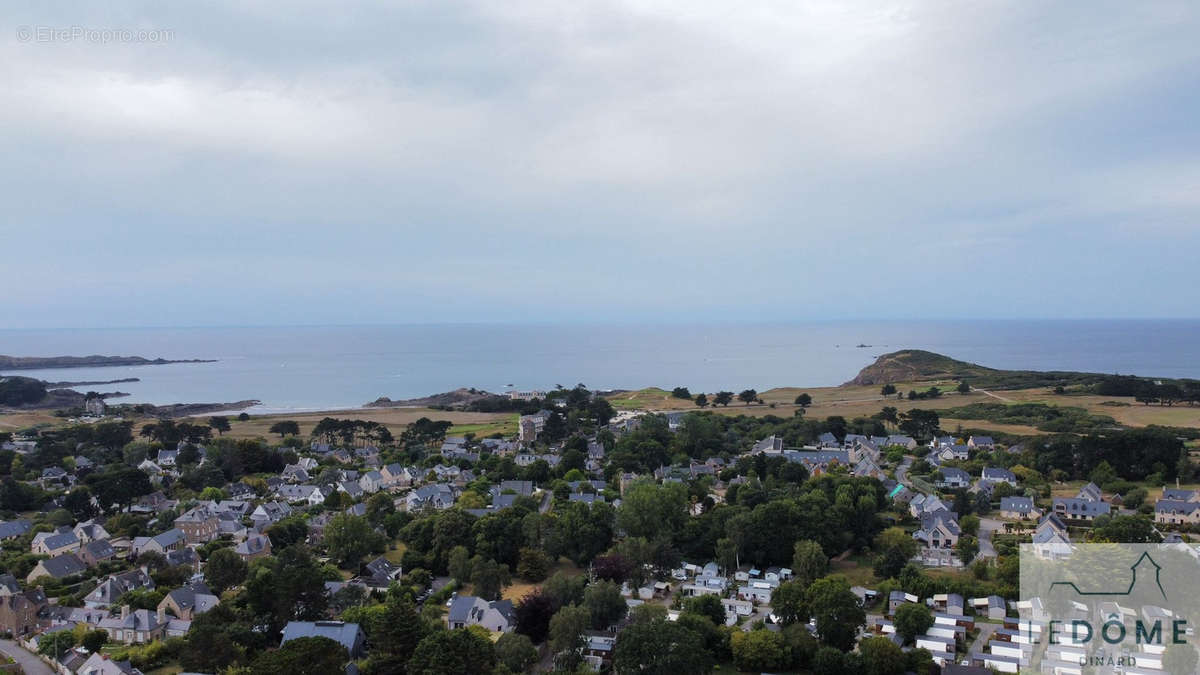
point(348, 635)
point(597, 648)
point(95, 552)
point(100, 663)
point(1019, 508)
point(381, 572)
point(818, 461)
point(436, 496)
point(954, 478)
point(371, 481)
point(239, 490)
point(199, 525)
point(254, 546)
point(171, 540)
point(137, 626)
point(827, 440)
point(310, 495)
point(468, 610)
point(109, 591)
point(530, 426)
point(905, 442)
point(938, 530)
point(11, 529)
point(184, 556)
point(997, 475)
point(1075, 508)
point(269, 513)
point(867, 469)
point(351, 488)
point(294, 473)
point(167, 458)
point(55, 543)
point(396, 476)
point(188, 601)
point(897, 598)
point(981, 442)
point(960, 452)
point(89, 530)
point(58, 567)
point(1090, 492)
point(1176, 512)
point(20, 611)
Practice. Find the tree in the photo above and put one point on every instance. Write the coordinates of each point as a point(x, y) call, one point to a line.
point(804, 400)
point(449, 652)
point(566, 626)
point(459, 564)
point(681, 392)
point(919, 424)
point(723, 398)
point(809, 561)
point(303, 656)
point(290, 530)
point(963, 387)
point(534, 564)
point(881, 656)
point(837, 612)
point(219, 424)
point(533, 615)
point(759, 650)
point(701, 400)
point(57, 643)
point(790, 602)
point(93, 640)
point(285, 427)
point(604, 602)
point(613, 567)
point(395, 633)
point(707, 606)
point(79, 502)
point(912, 619)
point(348, 539)
point(967, 549)
point(660, 647)
point(748, 396)
point(887, 390)
point(224, 570)
point(515, 652)
point(1124, 529)
point(489, 577)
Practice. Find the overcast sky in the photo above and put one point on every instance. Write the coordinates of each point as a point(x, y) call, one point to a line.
point(506, 161)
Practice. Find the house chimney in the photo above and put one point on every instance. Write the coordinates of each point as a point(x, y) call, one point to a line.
point(124, 612)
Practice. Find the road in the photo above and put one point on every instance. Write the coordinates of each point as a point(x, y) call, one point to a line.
point(986, 527)
point(902, 470)
point(30, 663)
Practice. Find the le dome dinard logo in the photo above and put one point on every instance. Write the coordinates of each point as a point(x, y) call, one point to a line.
point(1111, 615)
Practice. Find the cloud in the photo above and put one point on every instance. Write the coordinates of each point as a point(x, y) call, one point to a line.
point(603, 159)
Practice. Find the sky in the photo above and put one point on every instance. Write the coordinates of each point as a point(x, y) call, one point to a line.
point(277, 163)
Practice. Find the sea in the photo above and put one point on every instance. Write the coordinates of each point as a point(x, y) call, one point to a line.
point(305, 368)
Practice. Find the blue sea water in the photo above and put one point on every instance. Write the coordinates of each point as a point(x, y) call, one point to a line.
point(329, 367)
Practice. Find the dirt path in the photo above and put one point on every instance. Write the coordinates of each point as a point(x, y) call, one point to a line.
point(995, 396)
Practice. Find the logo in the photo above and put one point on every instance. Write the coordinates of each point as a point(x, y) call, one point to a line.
point(1132, 580)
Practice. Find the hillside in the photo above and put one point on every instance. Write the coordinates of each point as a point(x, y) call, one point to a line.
point(916, 365)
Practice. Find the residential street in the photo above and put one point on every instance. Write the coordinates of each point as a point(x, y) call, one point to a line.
point(986, 527)
point(30, 663)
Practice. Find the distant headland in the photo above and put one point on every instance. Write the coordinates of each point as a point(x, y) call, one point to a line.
point(93, 361)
